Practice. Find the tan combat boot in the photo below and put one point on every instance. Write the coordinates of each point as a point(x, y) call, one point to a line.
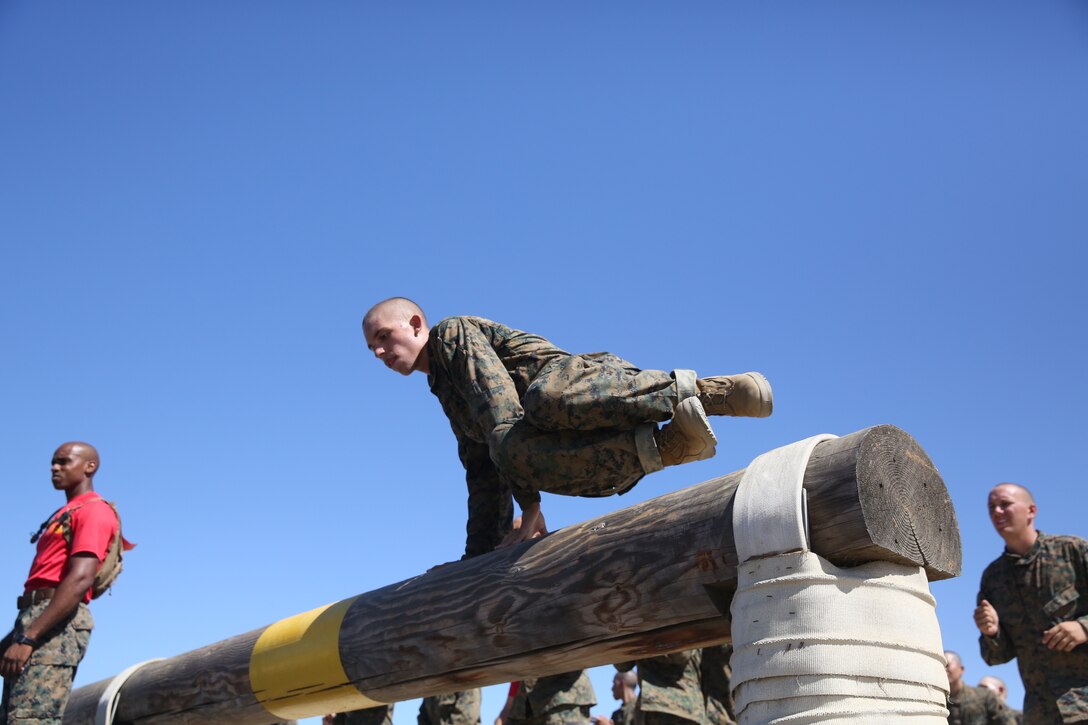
point(688, 436)
point(747, 395)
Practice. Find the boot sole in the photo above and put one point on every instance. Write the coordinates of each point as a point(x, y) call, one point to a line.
point(691, 418)
point(766, 397)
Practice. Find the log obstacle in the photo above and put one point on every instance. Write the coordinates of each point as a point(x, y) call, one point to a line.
point(645, 580)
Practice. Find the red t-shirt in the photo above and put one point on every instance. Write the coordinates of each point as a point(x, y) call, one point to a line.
point(93, 526)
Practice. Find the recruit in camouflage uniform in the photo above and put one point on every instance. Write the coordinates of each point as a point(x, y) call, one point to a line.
point(554, 700)
point(624, 686)
point(1031, 594)
point(577, 425)
point(714, 675)
point(669, 690)
point(978, 706)
point(582, 448)
point(46, 682)
point(530, 417)
point(456, 708)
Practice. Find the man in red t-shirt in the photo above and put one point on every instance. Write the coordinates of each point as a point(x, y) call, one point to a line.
point(50, 637)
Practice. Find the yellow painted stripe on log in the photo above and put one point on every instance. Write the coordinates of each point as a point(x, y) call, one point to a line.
point(295, 669)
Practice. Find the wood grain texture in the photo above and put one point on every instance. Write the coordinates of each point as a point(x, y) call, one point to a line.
point(649, 579)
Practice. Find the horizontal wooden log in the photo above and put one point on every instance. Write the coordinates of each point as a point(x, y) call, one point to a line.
point(645, 580)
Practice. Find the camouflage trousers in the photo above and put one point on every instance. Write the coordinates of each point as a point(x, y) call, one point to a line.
point(587, 427)
point(457, 708)
point(38, 696)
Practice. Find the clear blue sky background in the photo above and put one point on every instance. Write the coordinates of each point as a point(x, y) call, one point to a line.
point(881, 206)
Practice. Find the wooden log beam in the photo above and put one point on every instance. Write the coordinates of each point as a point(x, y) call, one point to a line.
point(645, 580)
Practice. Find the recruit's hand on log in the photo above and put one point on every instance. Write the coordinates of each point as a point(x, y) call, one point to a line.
point(1065, 636)
point(986, 618)
point(532, 526)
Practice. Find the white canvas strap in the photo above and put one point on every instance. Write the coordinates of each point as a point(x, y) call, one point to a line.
point(816, 643)
point(107, 702)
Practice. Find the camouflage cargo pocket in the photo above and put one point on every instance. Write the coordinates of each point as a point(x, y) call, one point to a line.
point(1062, 606)
point(66, 643)
point(39, 695)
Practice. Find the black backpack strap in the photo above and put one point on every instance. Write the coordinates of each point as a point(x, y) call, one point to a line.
point(38, 534)
point(62, 520)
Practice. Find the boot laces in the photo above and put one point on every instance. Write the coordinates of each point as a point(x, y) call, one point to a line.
point(718, 392)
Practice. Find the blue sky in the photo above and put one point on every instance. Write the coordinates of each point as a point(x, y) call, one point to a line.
point(880, 206)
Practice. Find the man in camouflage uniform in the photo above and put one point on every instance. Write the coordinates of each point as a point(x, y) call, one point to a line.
point(554, 700)
point(530, 417)
point(456, 708)
point(53, 628)
point(669, 692)
point(623, 689)
point(714, 675)
point(1033, 605)
point(997, 686)
point(972, 705)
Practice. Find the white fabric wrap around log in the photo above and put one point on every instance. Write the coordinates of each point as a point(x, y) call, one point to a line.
point(813, 643)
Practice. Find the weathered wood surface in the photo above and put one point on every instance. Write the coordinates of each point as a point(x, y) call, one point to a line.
point(206, 685)
point(645, 580)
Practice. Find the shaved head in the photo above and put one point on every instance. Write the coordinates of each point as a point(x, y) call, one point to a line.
point(951, 656)
point(995, 684)
point(398, 308)
point(396, 332)
point(84, 450)
point(1021, 492)
point(623, 685)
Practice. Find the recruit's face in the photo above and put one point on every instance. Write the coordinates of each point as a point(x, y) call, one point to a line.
point(1011, 511)
point(395, 339)
point(70, 466)
point(953, 667)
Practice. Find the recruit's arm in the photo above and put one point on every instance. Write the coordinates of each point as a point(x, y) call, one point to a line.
point(77, 579)
point(489, 502)
point(993, 642)
point(479, 376)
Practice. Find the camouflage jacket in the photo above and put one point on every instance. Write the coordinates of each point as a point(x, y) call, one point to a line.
point(456, 708)
point(978, 706)
point(714, 676)
point(670, 684)
point(479, 370)
point(624, 714)
point(1031, 594)
point(538, 696)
